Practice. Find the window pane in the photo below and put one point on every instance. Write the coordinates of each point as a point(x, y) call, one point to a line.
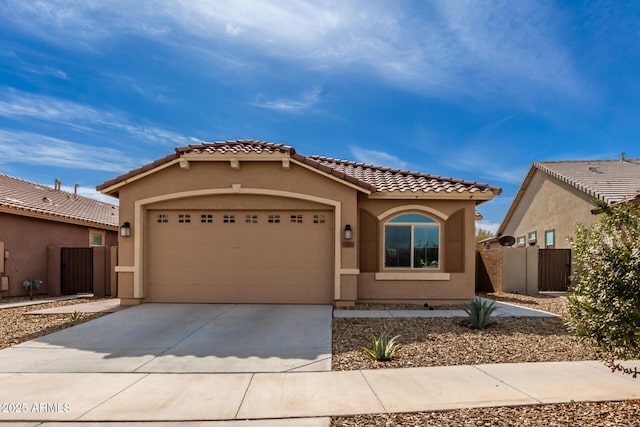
point(550, 238)
point(397, 246)
point(416, 218)
point(425, 244)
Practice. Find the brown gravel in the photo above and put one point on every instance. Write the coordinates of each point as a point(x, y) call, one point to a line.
point(552, 303)
point(567, 414)
point(17, 327)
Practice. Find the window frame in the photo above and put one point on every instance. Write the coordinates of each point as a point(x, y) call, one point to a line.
point(435, 223)
point(521, 241)
point(552, 231)
point(101, 233)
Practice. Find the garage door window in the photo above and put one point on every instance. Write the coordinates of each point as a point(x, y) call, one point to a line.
point(229, 219)
point(251, 219)
point(206, 218)
point(274, 219)
point(412, 241)
point(319, 219)
point(296, 219)
point(184, 218)
point(161, 218)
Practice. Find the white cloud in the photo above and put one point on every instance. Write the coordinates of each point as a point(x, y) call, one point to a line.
point(306, 100)
point(19, 105)
point(91, 193)
point(379, 158)
point(488, 226)
point(501, 51)
point(40, 150)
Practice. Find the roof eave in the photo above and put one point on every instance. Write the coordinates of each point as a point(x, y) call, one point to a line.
point(57, 218)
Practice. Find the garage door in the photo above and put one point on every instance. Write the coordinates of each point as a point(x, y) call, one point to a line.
point(240, 256)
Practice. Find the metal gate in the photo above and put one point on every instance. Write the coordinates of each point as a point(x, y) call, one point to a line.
point(76, 270)
point(554, 269)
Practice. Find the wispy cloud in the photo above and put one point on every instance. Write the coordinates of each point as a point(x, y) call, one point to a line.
point(40, 150)
point(19, 105)
point(306, 100)
point(377, 158)
point(500, 51)
point(488, 226)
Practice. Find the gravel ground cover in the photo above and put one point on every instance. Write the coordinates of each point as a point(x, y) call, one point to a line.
point(16, 326)
point(584, 414)
point(442, 341)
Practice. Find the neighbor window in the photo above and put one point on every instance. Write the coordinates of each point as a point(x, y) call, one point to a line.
point(184, 218)
point(412, 241)
point(550, 239)
point(532, 236)
point(96, 238)
point(520, 241)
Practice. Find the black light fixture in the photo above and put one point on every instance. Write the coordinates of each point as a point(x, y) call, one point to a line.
point(125, 230)
point(348, 232)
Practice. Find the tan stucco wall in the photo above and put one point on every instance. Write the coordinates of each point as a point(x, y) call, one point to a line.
point(260, 175)
point(547, 204)
point(458, 286)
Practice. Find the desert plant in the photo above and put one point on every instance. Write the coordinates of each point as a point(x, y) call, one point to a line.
point(604, 302)
point(75, 316)
point(383, 348)
point(480, 312)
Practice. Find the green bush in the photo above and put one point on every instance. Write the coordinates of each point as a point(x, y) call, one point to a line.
point(480, 312)
point(604, 303)
point(383, 348)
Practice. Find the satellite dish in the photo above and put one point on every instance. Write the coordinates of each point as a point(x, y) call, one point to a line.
point(506, 240)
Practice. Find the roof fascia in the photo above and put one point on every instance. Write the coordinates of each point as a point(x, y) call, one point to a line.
point(57, 218)
point(112, 189)
point(433, 195)
point(516, 200)
point(328, 175)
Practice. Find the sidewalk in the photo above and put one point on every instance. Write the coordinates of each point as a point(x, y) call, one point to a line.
point(202, 397)
point(39, 300)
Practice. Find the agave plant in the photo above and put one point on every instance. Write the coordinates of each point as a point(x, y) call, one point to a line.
point(480, 312)
point(75, 316)
point(383, 348)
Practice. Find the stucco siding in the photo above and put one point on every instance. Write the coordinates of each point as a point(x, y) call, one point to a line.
point(550, 204)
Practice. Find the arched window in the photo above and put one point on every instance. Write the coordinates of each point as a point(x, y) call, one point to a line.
point(412, 241)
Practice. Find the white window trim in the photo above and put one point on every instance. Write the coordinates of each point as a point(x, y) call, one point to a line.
point(435, 223)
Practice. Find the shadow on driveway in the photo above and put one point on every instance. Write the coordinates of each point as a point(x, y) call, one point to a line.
point(170, 338)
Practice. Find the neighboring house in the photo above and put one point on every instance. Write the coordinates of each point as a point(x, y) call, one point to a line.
point(36, 221)
point(555, 196)
point(255, 222)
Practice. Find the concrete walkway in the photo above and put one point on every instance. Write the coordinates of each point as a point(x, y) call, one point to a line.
point(109, 305)
point(39, 300)
point(98, 397)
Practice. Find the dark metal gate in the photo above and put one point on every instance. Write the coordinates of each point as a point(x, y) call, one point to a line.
point(554, 270)
point(76, 270)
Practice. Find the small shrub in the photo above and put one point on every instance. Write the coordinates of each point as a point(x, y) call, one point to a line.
point(75, 316)
point(383, 348)
point(355, 321)
point(480, 312)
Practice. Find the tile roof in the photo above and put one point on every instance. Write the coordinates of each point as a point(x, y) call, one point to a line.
point(608, 180)
point(369, 177)
point(26, 196)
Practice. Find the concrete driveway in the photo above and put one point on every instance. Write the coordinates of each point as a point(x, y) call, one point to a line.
point(185, 338)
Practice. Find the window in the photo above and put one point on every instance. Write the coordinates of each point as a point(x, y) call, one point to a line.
point(184, 218)
point(251, 219)
point(274, 219)
point(550, 239)
point(206, 218)
point(520, 241)
point(229, 219)
point(162, 218)
point(412, 241)
point(96, 238)
point(296, 219)
point(533, 237)
point(319, 219)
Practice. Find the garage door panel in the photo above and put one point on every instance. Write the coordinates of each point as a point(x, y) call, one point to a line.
point(282, 262)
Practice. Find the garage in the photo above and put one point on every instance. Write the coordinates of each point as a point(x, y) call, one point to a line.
point(240, 256)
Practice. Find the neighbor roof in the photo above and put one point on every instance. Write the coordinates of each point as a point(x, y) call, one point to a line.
point(609, 180)
point(368, 177)
point(27, 198)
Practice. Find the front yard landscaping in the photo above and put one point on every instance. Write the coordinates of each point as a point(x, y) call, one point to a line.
point(448, 341)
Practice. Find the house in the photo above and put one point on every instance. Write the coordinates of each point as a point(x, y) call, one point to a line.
point(255, 222)
point(36, 221)
point(555, 196)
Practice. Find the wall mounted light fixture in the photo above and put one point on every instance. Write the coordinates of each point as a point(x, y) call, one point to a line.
point(348, 232)
point(125, 230)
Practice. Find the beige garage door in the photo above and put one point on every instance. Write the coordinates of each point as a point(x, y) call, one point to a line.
point(240, 256)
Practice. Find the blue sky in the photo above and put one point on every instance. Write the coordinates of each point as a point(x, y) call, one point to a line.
point(474, 90)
